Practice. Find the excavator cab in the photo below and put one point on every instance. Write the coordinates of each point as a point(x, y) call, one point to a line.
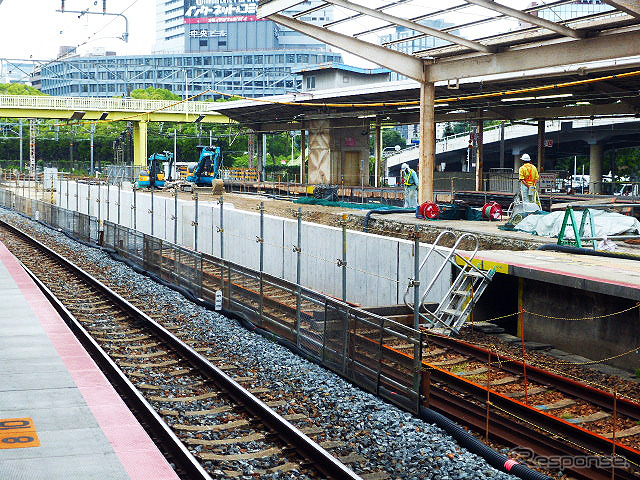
point(153, 176)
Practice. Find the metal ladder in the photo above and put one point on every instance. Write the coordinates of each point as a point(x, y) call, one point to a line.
point(466, 289)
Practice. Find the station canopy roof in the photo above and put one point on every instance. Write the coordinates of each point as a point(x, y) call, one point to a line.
point(467, 48)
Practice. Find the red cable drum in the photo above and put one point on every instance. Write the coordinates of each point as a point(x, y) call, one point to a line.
point(492, 211)
point(430, 210)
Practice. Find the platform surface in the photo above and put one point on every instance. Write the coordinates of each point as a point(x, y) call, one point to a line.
point(81, 429)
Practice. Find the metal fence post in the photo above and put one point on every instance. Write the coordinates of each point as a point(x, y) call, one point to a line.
point(108, 195)
point(195, 223)
point(151, 211)
point(99, 204)
point(343, 263)
point(417, 349)
point(133, 207)
point(175, 217)
point(119, 190)
point(77, 196)
point(260, 240)
point(67, 195)
point(298, 250)
point(416, 279)
point(89, 199)
point(221, 227)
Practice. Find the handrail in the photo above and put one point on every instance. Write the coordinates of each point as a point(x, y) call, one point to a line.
point(429, 252)
point(446, 260)
point(113, 104)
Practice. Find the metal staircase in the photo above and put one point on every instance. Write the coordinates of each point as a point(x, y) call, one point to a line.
point(467, 287)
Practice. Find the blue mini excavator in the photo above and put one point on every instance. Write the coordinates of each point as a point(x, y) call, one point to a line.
point(153, 176)
point(208, 168)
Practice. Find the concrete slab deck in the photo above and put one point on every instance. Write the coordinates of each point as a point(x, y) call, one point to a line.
point(84, 429)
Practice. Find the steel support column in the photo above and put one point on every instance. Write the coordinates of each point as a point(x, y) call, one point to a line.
point(480, 153)
point(140, 143)
point(541, 131)
point(427, 153)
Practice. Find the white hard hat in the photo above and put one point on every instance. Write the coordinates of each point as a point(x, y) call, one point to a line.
point(404, 167)
point(525, 158)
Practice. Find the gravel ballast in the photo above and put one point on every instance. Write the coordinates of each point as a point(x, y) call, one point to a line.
point(389, 438)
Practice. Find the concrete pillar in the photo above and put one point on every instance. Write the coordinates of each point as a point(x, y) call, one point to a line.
point(140, 143)
point(517, 163)
point(427, 154)
point(541, 132)
point(480, 153)
point(595, 168)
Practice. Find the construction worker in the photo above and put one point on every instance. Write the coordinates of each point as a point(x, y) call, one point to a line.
point(410, 182)
point(528, 175)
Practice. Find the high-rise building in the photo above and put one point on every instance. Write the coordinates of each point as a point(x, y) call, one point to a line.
point(201, 45)
point(184, 26)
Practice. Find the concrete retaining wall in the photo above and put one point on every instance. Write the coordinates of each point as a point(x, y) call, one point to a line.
point(378, 267)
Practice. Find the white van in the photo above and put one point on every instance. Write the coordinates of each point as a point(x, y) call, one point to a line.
point(628, 190)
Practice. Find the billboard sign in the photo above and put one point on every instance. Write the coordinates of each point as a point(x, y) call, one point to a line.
point(220, 11)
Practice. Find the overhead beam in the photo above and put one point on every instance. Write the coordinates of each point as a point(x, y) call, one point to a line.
point(527, 17)
point(418, 27)
point(632, 7)
point(396, 61)
point(276, 6)
point(604, 47)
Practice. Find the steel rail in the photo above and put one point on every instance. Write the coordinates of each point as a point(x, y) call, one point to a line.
point(307, 448)
point(472, 398)
point(593, 395)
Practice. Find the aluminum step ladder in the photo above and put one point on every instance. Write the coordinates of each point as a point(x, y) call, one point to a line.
point(467, 287)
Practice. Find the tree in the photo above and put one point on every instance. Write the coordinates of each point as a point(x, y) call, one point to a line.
point(151, 93)
point(18, 89)
point(391, 138)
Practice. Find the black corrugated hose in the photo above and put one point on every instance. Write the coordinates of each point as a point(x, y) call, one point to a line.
point(383, 211)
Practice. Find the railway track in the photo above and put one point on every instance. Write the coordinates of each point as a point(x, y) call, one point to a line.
point(465, 382)
point(221, 422)
point(553, 415)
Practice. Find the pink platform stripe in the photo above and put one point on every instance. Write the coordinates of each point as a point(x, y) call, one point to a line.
point(138, 454)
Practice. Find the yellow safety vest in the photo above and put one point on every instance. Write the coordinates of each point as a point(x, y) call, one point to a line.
point(529, 173)
point(408, 179)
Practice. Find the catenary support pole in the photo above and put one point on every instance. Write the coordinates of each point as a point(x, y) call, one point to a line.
point(427, 152)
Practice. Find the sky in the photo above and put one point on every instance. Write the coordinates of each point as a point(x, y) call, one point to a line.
point(32, 29)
